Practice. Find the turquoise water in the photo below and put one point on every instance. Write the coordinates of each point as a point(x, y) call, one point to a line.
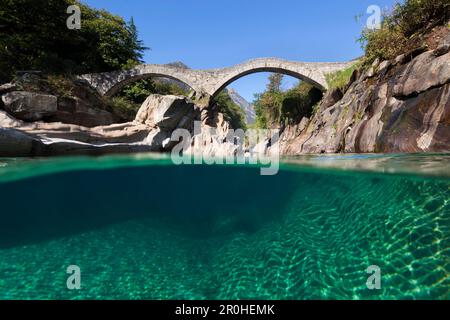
point(141, 228)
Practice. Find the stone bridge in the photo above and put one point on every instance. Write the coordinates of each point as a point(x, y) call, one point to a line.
point(214, 80)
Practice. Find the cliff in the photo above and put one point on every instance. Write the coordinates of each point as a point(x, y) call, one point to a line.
point(402, 105)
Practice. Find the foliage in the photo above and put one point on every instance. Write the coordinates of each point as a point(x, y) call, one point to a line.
point(123, 107)
point(268, 108)
point(402, 30)
point(275, 81)
point(275, 108)
point(128, 101)
point(138, 91)
point(231, 111)
point(298, 102)
point(34, 36)
point(339, 79)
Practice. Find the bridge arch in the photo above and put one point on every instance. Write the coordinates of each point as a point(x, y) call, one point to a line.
point(214, 80)
point(226, 82)
point(110, 83)
point(308, 72)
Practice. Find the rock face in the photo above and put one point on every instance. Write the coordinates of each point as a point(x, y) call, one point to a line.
point(396, 106)
point(151, 130)
point(167, 112)
point(211, 141)
point(30, 106)
point(14, 143)
point(37, 98)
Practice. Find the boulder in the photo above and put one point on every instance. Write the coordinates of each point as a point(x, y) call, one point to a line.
point(14, 143)
point(331, 98)
point(426, 71)
point(7, 87)
point(8, 121)
point(166, 112)
point(30, 106)
point(74, 111)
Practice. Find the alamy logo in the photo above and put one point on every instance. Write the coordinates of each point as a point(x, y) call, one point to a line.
point(73, 22)
point(374, 281)
point(374, 20)
point(74, 280)
point(238, 147)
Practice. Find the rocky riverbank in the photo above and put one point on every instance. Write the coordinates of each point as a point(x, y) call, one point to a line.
point(151, 130)
point(401, 105)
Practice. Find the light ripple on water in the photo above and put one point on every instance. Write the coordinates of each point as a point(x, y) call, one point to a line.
point(316, 242)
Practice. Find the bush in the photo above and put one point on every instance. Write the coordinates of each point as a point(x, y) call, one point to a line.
point(403, 29)
point(340, 79)
point(231, 111)
point(268, 109)
point(138, 91)
point(123, 108)
point(278, 108)
point(298, 102)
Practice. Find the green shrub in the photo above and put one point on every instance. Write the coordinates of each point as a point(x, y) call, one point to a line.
point(298, 102)
point(123, 108)
point(339, 79)
point(231, 111)
point(403, 29)
point(138, 91)
point(277, 108)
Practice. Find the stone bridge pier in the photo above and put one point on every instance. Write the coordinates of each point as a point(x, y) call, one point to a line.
point(214, 80)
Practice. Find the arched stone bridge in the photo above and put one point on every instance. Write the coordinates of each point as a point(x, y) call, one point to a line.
point(214, 80)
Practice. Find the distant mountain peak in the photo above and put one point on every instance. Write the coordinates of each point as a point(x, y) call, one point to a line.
point(177, 64)
point(250, 115)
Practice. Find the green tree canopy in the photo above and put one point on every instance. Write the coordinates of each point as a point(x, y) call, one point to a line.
point(34, 35)
point(275, 108)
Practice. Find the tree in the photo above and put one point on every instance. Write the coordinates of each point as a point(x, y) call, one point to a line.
point(275, 108)
point(231, 111)
point(34, 35)
point(275, 81)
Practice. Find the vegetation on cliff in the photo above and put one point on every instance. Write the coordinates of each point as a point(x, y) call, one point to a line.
point(407, 27)
point(404, 29)
point(339, 79)
point(230, 110)
point(276, 108)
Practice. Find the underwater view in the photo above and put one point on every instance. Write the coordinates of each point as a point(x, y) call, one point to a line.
point(140, 227)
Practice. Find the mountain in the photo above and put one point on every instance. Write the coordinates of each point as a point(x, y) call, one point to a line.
point(250, 115)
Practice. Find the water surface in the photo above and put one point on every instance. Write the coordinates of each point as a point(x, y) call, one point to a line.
point(142, 228)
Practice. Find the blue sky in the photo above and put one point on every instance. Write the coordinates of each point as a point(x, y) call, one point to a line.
point(211, 34)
